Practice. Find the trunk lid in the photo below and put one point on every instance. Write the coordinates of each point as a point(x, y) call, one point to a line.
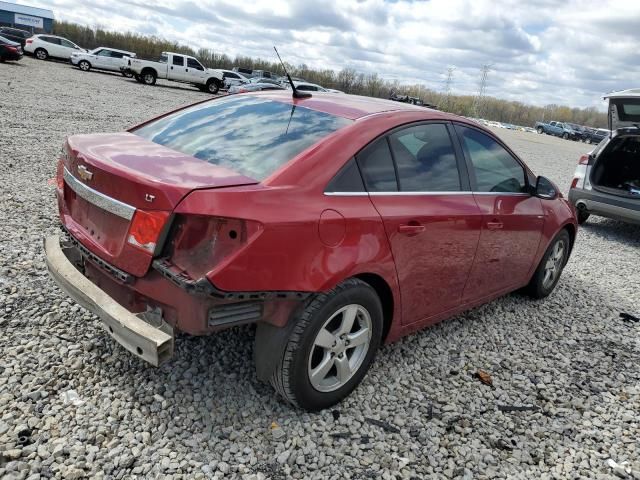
point(624, 109)
point(109, 177)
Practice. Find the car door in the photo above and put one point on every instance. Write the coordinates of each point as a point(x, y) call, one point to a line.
point(195, 72)
point(418, 183)
point(67, 48)
point(99, 58)
point(177, 68)
point(53, 46)
point(512, 217)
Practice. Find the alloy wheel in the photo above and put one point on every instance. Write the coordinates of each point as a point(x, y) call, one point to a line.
point(553, 267)
point(148, 78)
point(339, 348)
point(41, 55)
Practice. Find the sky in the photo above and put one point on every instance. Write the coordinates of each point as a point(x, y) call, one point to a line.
point(567, 52)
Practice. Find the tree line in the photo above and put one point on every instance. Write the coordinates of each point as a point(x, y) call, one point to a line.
point(348, 79)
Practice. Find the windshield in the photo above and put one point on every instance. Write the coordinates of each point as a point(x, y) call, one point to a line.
point(251, 135)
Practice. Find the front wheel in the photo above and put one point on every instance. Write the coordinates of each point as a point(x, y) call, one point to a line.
point(213, 86)
point(565, 136)
point(331, 347)
point(84, 66)
point(547, 274)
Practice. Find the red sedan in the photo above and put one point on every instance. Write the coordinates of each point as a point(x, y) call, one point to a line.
point(335, 223)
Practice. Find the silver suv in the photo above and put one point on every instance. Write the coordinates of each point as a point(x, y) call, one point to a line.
point(607, 180)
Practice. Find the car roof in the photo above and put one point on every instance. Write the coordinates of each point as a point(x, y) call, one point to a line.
point(350, 106)
point(631, 92)
point(114, 49)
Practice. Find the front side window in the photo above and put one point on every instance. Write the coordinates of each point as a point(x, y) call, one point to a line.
point(104, 53)
point(179, 61)
point(495, 169)
point(377, 167)
point(193, 63)
point(425, 159)
point(251, 135)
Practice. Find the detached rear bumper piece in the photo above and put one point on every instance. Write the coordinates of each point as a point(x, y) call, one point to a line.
point(153, 344)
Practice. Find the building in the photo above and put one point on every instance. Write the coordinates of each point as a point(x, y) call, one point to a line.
point(35, 20)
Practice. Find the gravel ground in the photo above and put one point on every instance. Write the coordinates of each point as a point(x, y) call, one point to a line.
point(204, 415)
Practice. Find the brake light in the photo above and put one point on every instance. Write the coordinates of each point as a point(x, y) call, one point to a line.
point(9, 47)
point(584, 159)
point(29, 40)
point(145, 229)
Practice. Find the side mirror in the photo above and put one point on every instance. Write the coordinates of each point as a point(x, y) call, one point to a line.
point(545, 189)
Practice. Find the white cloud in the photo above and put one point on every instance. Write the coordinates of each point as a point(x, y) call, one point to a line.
point(568, 52)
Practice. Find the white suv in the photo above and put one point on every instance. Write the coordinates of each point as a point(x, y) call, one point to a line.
point(45, 46)
point(102, 58)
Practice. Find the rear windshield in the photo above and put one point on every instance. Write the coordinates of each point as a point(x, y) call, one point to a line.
point(251, 135)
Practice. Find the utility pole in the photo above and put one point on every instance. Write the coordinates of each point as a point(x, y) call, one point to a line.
point(477, 103)
point(447, 87)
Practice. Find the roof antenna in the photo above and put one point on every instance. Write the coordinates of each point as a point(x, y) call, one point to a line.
point(296, 93)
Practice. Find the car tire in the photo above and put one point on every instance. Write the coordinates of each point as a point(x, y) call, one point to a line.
point(540, 130)
point(84, 65)
point(322, 342)
point(565, 136)
point(138, 78)
point(582, 216)
point(213, 86)
point(149, 78)
point(41, 54)
point(550, 268)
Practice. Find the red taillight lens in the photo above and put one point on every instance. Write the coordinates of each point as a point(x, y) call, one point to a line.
point(29, 41)
point(575, 182)
point(13, 49)
point(145, 229)
point(584, 160)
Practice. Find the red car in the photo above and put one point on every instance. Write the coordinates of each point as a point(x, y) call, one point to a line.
point(335, 223)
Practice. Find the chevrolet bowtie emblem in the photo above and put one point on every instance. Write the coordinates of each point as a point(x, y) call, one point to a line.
point(84, 173)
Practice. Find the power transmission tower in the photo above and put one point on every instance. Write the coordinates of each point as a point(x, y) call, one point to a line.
point(447, 86)
point(477, 104)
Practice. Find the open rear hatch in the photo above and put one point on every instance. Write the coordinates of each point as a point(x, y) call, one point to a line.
point(617, 169)
point(120, 190)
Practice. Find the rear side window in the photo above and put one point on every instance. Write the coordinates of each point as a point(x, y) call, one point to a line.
point(377, 167)
point(495, 169)
point(347, 180)
point(178, 61)
point(425, 159)
point(251, 135)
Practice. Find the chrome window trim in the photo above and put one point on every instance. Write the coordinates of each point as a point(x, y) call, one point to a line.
point(379, 194)
point(97, 198)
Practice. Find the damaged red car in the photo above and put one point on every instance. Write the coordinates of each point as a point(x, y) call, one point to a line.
point(335, 223)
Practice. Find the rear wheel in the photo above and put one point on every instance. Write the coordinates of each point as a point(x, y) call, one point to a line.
point(41, 54)
point(331, 347)
point(540, 129)
point(565, 136)
point(84, 66)
point(149, 77)
point(547, 274)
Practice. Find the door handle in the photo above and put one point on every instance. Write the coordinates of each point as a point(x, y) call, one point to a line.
point(411, 229)
point(495, 225)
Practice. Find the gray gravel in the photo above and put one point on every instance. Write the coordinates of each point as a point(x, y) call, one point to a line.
point(205, 415)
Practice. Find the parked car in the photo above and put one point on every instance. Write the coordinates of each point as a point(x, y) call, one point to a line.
point(10, 50)
point(256, 85)
point(309, 87)
point(558, 129)
point(247, 72)
point(607, 180)
point(102, 58)
point(185, 222)
point(15, 35)
point(178, 68)
point(594, 135)
point(44, 46)
point(231, 78)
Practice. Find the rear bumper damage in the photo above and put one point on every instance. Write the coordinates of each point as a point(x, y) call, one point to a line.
point(146, 335)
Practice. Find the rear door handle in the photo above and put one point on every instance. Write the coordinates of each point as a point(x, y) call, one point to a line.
point(495, 225)
point(410, 229)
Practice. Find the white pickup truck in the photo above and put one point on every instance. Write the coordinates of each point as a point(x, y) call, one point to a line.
point(179, 68)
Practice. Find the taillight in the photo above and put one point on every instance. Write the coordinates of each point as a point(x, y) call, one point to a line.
point(29, 40)
point(581, 172)
point(584, 159)
point(13, 49)
point(200, 243)
point(145, 229)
